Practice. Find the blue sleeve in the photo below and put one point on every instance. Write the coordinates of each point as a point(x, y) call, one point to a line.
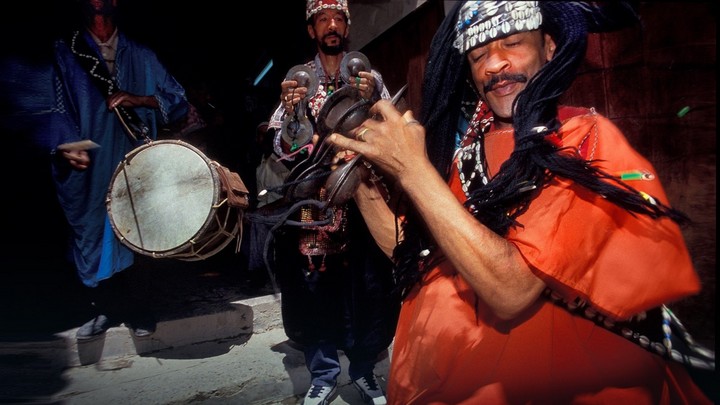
point(169, 93)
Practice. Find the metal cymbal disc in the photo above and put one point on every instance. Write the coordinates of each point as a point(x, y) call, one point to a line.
point(305, 78)
point(296, 130)
point(352, 63)
point(335, 106)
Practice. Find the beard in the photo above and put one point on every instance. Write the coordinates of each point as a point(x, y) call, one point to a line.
point(332, 49)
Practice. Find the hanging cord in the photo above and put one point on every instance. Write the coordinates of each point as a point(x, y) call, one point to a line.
point(309, 148)
point(100, 76)
point(283, 187)
point(282, 219)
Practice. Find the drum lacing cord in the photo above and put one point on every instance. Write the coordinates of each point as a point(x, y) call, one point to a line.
point(196, 251)
point(282, 219)
point(236, 233)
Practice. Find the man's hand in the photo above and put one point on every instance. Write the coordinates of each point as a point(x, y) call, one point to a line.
point(291, 94)
point(392, 141)
point(365, 82)
point(78, 159)
point(125, 99)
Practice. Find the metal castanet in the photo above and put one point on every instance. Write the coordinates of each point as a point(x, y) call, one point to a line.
point(296, 127)
point(344, 111)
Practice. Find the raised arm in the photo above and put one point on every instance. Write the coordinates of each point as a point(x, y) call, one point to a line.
point(491, 265)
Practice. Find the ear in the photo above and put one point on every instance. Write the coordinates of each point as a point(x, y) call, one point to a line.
point(311, 31)
point(550, 46)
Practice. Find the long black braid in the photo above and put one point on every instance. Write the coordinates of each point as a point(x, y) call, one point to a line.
point(534, 161)
point(445, 73)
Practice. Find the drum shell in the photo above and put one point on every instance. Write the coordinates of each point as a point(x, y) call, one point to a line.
point(166, 199)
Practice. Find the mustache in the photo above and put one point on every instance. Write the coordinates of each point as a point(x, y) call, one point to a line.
point(509, 77)
point(332, 34)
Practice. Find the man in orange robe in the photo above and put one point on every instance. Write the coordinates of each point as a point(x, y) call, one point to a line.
point(538, 248)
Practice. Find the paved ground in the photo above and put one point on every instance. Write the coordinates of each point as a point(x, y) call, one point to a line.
point(262, 367)
point(219, 340)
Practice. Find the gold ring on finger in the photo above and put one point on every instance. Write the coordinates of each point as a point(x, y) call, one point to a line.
point(361, 134)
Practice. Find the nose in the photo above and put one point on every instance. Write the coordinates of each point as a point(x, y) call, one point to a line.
point(497, 61)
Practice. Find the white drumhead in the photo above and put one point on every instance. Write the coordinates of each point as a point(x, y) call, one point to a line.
point(162, 196)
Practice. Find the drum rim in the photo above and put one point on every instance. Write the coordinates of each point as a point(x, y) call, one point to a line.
point(184, 248)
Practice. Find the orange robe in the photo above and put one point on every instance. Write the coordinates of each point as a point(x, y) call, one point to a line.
point(450, 349)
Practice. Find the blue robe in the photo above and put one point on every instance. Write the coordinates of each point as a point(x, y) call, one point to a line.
point(83, 114)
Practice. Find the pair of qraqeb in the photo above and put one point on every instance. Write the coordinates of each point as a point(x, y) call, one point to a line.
point(343, 112)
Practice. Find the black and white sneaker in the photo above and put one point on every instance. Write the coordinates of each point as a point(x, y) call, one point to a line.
point(370, 389)
point(319, 395)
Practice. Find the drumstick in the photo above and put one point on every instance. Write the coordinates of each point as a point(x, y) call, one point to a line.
point(124, 124)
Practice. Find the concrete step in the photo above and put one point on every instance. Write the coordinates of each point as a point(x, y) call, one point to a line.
point(236, 356)
point(245, 317)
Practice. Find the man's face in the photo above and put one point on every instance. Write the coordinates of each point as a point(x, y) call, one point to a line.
point(329, 30)
point(98, 7)
point(502, 68)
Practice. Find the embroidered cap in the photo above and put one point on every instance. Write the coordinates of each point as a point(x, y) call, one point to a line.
point(314, 6)
point(480, 22)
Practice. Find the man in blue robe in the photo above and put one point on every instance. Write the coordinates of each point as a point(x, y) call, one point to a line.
point(102, 75)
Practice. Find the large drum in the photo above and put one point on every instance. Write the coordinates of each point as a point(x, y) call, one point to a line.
point(167, 199)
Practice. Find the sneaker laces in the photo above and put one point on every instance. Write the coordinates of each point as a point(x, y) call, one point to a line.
point(370, 389)
point(370, 382)
point(316, 391)
point(319, 395)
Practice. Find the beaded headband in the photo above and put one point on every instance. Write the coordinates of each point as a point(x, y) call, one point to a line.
point(480, 22)
point(314, 6)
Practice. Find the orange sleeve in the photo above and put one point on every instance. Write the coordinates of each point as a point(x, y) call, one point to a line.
point(583, 246)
